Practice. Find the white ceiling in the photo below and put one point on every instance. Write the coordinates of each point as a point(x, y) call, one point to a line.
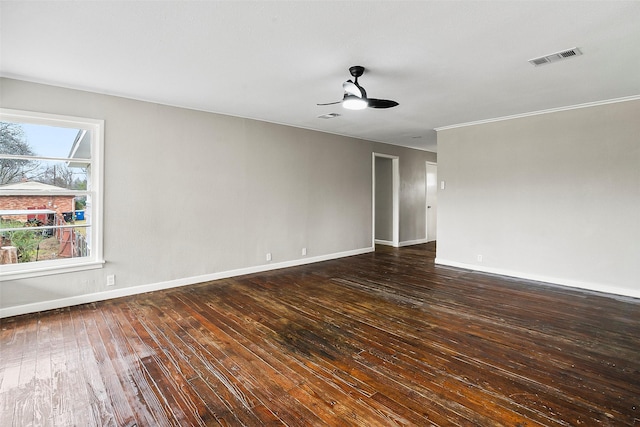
point(445, 62)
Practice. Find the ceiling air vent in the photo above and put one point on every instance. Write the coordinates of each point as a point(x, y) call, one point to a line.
point(554, 57)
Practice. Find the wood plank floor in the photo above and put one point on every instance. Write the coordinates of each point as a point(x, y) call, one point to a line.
point(380, 339)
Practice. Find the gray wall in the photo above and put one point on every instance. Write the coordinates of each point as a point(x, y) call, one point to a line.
point(189, 193)
point(553, 196)
point(384, 198)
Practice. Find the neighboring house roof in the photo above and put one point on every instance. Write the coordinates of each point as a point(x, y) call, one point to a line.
point(81, 149)
point(30, 186)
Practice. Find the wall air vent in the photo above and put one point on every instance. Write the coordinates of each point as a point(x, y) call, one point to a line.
point(329, 116)
point(554, 57)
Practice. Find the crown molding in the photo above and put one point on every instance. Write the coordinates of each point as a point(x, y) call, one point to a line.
point(536, 113)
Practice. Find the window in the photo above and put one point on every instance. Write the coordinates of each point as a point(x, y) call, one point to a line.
point(50, 194)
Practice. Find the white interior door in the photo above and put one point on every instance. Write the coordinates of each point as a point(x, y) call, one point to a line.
point(432, 201)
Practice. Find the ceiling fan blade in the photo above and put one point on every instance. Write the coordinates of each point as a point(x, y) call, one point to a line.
point(354, 89)
point(381, 103)
point(331, 103)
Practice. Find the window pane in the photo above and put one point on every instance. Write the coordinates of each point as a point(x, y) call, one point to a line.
point(31, 176)
point(31, 244)
point(43, 141)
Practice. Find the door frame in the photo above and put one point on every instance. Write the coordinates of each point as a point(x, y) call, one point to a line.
point(426, 199)
point(395, 187)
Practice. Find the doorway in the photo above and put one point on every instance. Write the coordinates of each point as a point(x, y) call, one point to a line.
point(432, 201)
point(385, 200)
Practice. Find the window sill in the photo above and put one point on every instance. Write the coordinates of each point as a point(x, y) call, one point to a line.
point(46, 270)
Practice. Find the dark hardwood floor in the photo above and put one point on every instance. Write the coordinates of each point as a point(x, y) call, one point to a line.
point(386, 338)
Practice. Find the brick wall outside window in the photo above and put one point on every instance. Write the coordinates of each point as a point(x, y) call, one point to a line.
point(60, 204)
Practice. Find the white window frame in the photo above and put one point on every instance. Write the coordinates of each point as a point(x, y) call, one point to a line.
point(95, 189)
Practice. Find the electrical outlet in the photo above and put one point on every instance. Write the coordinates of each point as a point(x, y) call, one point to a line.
point(304, 251)
point(269, 256)
point(111, 280)
point(479, 258)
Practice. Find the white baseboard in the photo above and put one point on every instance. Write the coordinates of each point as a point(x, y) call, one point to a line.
point(405, 243)
point(134, 290)
point(413, 242)
point(598, 287)
point(384, 242)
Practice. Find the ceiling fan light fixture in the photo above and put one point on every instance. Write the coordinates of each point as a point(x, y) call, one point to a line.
point(352, 102)
point(355, 97)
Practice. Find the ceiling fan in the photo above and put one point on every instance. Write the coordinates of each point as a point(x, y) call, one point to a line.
point(355, 97)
